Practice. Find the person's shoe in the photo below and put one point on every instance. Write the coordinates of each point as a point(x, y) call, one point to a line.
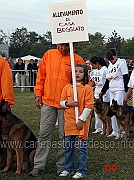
point(60, 170)
point(35, 172)
point(65, 173)
point(111, 135)
point(96, 131)
point(78, 175)
point(121, 137)
point(116, 137)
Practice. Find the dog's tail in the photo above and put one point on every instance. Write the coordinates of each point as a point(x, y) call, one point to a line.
point(133, 115)
point(31, 159)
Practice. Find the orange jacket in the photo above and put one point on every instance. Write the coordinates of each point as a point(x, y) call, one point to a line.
point(53, 74)
point(85, 100)
point(6, 82)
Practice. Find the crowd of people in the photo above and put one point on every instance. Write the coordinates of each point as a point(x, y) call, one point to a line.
point(19, 73)
point(53, 89)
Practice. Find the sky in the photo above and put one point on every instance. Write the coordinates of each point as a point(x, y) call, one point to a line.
point(103, 16)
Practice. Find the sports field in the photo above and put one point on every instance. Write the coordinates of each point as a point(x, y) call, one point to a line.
point(108, 158)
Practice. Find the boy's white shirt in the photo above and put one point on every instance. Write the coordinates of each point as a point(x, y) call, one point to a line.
point(115, 75)
point(99, 78)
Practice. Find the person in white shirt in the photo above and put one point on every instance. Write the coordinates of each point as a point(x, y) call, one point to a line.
point(117, 80)
point(130, 89)
point(98, 76)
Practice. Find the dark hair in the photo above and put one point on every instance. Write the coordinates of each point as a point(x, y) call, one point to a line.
point(110, 53)
point(99, 60)
point(85, 78)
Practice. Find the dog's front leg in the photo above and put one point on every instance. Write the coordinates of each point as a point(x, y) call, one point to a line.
point(119, 132)
point(25, 165)
point(103, 128)
point(108, 127)
point(9, 160)
point(127, 130)
point(19, 155)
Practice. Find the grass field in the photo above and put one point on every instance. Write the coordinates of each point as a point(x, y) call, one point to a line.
point(102, 150)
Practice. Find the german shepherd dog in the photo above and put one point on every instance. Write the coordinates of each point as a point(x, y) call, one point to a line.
point(18, 139)
point(124, 115)
point(102, 108)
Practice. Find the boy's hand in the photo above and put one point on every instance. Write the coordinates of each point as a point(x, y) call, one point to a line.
point(72, 104)
point(79, 124)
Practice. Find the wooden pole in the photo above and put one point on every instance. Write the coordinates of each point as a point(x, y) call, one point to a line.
point(73, 78)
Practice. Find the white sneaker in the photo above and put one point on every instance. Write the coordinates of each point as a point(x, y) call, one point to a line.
point(111, 135)
point(65, 173)
point(96, 131)
point(77, 175)
point(121, 137)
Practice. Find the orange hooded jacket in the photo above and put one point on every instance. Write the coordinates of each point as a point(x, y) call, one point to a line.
point(53, 74)
point(6, 82)
point(85, 100)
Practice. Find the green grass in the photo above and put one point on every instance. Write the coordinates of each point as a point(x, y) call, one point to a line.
point(102, 150)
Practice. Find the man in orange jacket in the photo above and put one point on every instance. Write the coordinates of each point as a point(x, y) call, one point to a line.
point(53, 74)
point(6, 82)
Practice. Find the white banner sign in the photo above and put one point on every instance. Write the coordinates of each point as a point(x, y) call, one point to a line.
point(69, 22)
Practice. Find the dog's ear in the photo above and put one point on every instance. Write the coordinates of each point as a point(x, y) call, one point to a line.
point(116, 103)
point(110, 113)
point(2, 103)
point(101, 98)
point(4, 107)
point(112, 101)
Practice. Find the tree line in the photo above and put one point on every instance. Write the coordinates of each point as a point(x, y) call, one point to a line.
point(22, 42)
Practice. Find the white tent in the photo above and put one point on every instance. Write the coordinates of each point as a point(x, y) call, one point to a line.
point(28, 57)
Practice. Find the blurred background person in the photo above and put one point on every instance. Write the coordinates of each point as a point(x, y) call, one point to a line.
point(12, 66)
point(32, 67)
point(20, 76)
